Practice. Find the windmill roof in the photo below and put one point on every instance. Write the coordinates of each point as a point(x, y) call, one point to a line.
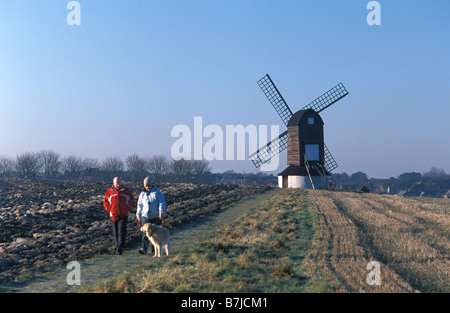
point(297, 170)
point(297, 117)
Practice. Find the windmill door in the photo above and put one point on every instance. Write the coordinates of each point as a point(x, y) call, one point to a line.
point(285, 181)
point(312, 152)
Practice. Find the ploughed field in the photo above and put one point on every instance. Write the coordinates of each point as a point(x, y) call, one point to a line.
point(44, 225)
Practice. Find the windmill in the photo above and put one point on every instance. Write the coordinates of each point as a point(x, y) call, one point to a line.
point(309, 161)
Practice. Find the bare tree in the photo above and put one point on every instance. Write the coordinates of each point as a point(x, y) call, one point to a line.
point(137, 167)
point(159, 167)
point(182, 169)
point(6, 166)
point(50, 163)
point(73, 166)
point(190, 171)
point(28, 165)
point(435, 174)
point(200, 169)
point(113, 166)
point(91, 164)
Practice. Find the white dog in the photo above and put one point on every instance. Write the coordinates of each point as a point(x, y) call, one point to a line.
point(158, 236)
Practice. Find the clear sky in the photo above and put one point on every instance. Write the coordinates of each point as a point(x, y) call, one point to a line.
point(134, 69)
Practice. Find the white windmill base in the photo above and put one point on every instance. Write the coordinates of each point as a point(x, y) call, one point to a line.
point(296, 181)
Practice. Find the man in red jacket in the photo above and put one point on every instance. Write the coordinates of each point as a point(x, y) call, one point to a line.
point(119, 201)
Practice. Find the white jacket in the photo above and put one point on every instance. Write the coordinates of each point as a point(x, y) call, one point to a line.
point(151, 204)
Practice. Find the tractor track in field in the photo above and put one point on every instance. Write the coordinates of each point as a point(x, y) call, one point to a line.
point(407, 237)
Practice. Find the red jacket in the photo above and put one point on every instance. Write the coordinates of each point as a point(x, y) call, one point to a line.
point(118, 202)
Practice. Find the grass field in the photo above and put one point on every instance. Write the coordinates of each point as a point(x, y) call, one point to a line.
point(310, 241)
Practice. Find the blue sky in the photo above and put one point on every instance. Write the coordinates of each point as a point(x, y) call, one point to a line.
point(119, 83)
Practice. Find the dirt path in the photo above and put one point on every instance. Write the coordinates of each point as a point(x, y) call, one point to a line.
point(106, 266)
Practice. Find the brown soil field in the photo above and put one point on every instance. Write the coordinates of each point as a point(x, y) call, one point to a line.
point(408, 237)
point(44, 225)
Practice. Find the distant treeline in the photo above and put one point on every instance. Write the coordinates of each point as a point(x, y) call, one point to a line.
point(434, 183)
point(50, 165)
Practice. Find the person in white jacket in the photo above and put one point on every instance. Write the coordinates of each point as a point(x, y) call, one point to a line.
point(151, 208)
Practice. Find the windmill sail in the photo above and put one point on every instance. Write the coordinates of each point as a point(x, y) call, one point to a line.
point(330, 162)
point(328, 98)
point(276, 99)
point(271, 149)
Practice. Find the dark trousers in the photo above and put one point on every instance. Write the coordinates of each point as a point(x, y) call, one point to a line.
point(120, 231)
point(145, 242)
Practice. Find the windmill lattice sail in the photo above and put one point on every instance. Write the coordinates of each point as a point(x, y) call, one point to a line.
point(267, 152)
point(276, 99)
point(330, 162)
point(328, 98)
